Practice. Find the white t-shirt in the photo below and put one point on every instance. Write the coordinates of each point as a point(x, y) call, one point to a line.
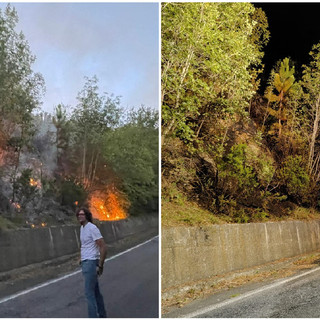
point(88, 236)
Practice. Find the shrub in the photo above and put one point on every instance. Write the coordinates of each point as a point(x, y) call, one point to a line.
point(294, 177)
point(237, 169)
point(71, 191)
point(23, 189)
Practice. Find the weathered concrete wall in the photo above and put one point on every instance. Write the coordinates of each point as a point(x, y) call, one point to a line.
point(19, 248)
point(191, 254)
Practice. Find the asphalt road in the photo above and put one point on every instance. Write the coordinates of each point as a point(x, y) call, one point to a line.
point(295, 297)
point(129, 284)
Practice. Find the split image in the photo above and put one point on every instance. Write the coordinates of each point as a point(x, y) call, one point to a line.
point(159, 160)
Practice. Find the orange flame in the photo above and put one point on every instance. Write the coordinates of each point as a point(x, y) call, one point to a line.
point(16, 205)
point(107, 206)
point(35, 183)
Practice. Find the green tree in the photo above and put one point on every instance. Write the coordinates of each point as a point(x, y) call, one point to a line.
point(208, 51)
point(260, 37)
point(282, 82)
point(133, 152)
point(20, 88)
point(62, 125)
point(311, 85)
point(94, 115)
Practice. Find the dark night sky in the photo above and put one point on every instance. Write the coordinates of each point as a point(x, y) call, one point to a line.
point(294, 28)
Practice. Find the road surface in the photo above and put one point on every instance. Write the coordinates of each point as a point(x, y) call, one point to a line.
point(129, 284)
point(294, 297)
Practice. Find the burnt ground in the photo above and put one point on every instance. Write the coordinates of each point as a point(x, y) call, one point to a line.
point(26, 277)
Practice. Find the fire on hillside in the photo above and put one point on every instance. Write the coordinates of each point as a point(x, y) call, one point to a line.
point(108, 205)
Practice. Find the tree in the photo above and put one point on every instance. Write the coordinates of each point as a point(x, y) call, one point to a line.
point(62, 125)
point(282, 82)
point(133, 152)
point(208, 51)
point(94, 115)
point(260, 38)
point(311, 85)
point(20, 87)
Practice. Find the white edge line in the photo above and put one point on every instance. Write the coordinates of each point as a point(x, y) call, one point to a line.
point(246, 295)
point(70, 274)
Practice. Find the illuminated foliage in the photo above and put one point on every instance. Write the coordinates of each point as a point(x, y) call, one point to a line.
point(282, 82)
point(208, 54)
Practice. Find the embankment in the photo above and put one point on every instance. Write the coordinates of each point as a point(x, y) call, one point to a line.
point(20, 248)
point(197, 253)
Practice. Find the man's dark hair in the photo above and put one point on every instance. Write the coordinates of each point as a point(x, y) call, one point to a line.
point(87, 213)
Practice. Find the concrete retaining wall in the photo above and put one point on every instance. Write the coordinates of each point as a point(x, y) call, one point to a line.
point(19, 248)
point(191, 254)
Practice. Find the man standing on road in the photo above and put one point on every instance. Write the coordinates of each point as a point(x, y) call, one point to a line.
point(93, 254)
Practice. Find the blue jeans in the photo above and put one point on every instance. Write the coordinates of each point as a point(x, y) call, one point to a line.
point(94, 297)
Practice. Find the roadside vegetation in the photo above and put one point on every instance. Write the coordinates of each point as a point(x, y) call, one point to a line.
point(232, 150)
point(94, 153)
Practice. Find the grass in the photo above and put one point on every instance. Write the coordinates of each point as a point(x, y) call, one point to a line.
point(186, 213)
point(181, 212)
point(6, 224)
point(301, 213)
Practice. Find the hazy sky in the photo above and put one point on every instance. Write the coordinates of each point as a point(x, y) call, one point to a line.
point(117, 42)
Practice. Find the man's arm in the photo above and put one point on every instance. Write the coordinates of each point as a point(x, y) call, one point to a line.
point(103, 254)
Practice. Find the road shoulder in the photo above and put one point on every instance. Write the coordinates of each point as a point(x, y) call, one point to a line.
point(180, 300)
point(20, 279)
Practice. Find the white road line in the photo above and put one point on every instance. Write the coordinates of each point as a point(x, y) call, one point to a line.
point(128, 250)
point(244, 296)
point(70, 274)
